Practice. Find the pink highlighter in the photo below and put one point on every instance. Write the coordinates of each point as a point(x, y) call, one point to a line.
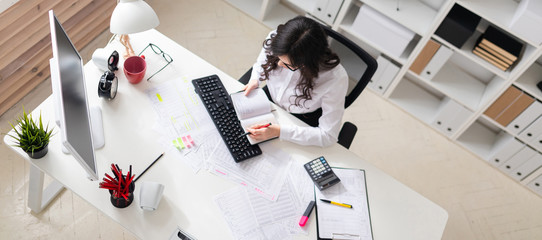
point(306, 215)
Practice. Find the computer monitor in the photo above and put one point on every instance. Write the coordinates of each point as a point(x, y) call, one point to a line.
point(71, 105)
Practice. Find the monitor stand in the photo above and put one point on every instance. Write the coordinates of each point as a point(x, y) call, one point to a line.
point(97, 128)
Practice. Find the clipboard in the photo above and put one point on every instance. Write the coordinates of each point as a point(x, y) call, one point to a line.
point(336, 222)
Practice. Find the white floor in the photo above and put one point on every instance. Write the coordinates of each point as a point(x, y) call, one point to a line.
point(482, 203)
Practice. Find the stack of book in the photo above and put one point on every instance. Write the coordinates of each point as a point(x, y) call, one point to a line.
point(498, 48)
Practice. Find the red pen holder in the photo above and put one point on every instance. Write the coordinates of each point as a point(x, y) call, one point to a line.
point(121, 202)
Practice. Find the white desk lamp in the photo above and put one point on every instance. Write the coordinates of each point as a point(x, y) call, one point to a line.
point(132, 16)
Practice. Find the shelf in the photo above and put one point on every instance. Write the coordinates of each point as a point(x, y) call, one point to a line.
point(528, 80)
point(470, 88)
point(499, 14)
point(480, 138)
point(417, 100)
point(412, 14)
point(346, 26)
point(250, 7)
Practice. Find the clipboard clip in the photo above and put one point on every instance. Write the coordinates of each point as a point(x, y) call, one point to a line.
point(344, 236)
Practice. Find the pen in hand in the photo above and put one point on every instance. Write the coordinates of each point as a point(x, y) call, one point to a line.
point(263, 126)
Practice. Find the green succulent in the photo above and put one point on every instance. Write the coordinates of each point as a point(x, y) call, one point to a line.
point(31, 136)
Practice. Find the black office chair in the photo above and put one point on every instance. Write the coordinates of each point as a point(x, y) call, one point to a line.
point(360, 67)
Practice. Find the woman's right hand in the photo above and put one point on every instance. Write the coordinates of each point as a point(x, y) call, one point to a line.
point(252, 84)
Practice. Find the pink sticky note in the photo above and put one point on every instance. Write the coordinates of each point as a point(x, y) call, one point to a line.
point(190, 139)
point(186, 142)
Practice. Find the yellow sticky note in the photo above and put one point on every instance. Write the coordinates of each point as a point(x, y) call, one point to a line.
point(159, 97)
point(176, 144)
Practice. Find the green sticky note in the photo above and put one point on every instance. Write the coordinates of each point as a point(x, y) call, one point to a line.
point(176, 144)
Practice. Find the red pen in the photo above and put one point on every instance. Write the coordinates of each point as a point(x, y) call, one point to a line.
point(263, 126)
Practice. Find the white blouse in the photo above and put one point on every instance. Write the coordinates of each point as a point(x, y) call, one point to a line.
point(328, 93)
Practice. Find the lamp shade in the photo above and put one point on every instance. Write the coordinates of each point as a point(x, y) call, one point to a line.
point(132, 16)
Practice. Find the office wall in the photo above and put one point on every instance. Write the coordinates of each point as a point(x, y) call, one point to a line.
point(25, 42)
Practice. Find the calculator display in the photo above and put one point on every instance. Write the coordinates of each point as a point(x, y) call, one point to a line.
point(321, 173)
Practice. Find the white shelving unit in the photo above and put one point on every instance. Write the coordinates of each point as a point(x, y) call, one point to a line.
point(465, 78)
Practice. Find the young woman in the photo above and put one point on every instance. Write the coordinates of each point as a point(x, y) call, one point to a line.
point(305, 78)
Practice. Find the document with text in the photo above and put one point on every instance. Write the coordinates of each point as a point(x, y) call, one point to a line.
point(339, 222)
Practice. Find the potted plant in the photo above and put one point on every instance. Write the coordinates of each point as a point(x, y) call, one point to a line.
point(32, 137)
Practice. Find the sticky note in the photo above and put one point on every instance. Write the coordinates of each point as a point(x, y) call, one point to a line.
point(190, 139)
point(181, 143)
point(186, 142)
point(176, 144)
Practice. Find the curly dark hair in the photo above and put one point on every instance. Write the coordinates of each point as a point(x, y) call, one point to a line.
point(304, 41)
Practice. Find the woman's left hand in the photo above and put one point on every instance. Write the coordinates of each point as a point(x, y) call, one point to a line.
point(260, 134)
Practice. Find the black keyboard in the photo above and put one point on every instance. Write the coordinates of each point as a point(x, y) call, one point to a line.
point(218, 103)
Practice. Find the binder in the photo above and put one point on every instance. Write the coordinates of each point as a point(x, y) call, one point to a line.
point(504, 148)
point(386, 78)
point(537, 143)
point(326, 10)
point(514, 109)
point(518, 159)
point(355, 222)
point(437, 61)
point(530, 133)
point(425, 56)
point(536, 185)
point(382, 65)
point(527, 168)
point(450, 116)
point(508, 97)
point(529, 115)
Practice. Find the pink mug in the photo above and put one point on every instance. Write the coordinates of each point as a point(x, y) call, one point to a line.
point(134, 69)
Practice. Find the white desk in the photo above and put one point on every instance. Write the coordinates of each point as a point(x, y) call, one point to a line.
point(397, 212)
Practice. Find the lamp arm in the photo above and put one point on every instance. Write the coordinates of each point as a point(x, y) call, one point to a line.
point(125, 40)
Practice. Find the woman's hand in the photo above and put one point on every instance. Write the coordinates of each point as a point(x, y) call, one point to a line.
point(259, 133)
point(252, 84)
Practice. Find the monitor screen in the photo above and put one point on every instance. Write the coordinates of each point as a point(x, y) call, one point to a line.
point(69, 89)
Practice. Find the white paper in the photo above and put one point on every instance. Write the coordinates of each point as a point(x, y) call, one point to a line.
point(264, 174)
point(181, 113)
point(340, 222)
point(254, 104)
point(250, 216)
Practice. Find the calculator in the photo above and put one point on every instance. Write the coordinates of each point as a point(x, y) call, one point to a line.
point(321, 173)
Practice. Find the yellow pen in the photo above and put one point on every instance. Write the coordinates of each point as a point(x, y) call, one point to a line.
point(338, 204)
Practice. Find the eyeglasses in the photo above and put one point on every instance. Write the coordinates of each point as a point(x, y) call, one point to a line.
point(159, 51)
point(293, 69)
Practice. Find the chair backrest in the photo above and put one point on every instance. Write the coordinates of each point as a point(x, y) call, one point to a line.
point(359, 65)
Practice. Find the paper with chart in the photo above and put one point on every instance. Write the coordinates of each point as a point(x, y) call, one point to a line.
point(264, 174)
point(336, 222)
point(250, 216)
point(185, 126)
